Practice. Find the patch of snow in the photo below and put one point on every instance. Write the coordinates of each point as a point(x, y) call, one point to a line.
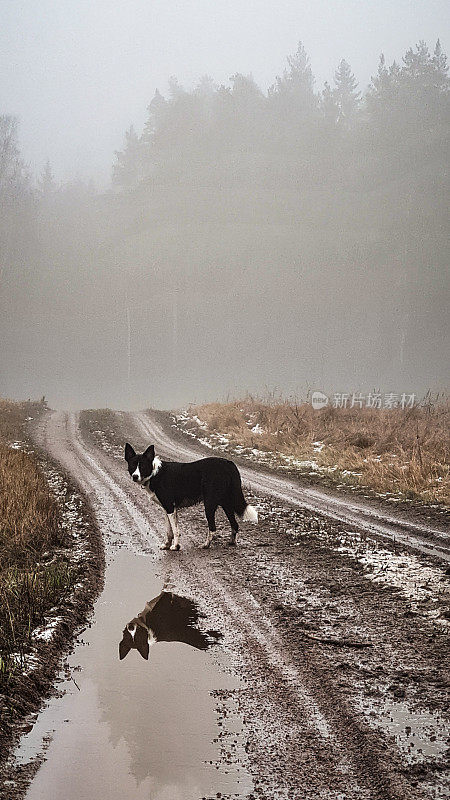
point(199, 422)
point(26, 661)
point(45, 632)
point(257, 429)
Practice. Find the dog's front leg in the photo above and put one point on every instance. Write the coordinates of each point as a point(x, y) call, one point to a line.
point(168, 542)
point(173, 519)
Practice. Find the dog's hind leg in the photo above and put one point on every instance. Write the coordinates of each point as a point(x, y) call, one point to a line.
point(173, 519)
point(169, 532)
point(234, 526)
point(210, 511)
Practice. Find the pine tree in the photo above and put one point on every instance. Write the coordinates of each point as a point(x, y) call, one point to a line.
point(423, 71)
point(345, 95)
point(156, 111)
point(176, 91)
point(245, 92)
point(294, 90)
point(417, 63)
point(300, 75)
point(382, 94)
point(423, 85)
point(439, 61)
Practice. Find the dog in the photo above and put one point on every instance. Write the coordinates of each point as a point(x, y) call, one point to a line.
point(166, 618)
point(175, 485)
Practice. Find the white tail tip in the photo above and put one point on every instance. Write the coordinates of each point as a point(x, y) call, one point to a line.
point(250, 514)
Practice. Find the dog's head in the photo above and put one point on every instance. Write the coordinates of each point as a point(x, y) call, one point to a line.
point(141, 466)
point(136, 637)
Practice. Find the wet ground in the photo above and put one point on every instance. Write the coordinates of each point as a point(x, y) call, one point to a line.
point(309, 662)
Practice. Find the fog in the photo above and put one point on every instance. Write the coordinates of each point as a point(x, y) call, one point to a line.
point(273, 219)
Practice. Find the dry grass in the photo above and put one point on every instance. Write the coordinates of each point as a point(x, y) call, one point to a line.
point(405, 452)
point(29, 528)
point(29, 515)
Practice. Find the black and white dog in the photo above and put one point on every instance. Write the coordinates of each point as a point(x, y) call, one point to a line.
point(174, 485)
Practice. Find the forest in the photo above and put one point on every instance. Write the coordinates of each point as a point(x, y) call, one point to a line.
point(249, 240)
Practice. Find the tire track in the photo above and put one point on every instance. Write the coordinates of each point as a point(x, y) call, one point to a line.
point(112, 506)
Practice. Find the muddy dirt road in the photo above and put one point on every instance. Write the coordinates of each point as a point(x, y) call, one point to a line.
point(325, 632)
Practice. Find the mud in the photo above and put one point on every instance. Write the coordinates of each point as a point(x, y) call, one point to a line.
point(329, 679)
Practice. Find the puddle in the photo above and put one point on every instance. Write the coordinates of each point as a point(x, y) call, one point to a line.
point(146, 724)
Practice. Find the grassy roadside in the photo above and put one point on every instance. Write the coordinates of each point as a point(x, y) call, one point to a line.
point(31, 582)
point(390, 451)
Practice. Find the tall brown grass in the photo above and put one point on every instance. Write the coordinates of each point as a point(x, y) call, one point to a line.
point(29, 514)
point(390, 450)
point(29, 529)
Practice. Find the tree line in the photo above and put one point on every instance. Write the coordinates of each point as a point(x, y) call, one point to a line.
point(294, 132)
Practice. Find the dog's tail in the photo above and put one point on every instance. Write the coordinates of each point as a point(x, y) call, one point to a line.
point(245, 512)
point(250, 514)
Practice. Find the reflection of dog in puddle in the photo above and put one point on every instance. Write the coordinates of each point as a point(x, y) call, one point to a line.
point(166, 618)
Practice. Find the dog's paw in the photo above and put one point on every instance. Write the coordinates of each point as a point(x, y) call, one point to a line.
point(231, 543)
point(174, 546)
point(205, 546)
point(165, 546)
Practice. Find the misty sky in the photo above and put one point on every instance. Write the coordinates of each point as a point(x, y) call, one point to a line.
point(77, 73)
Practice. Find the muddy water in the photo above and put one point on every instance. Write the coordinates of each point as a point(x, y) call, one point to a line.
point(135, 727)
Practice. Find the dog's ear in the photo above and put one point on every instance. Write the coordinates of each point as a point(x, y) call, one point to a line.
point(129, 452)
point(141, 642)
point(125, 646)
point(150, 452)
